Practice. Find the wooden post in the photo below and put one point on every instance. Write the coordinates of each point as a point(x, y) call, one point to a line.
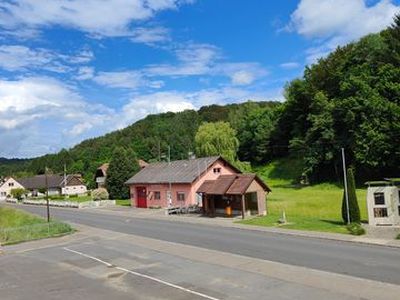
point(243, 206)
point(205, 204)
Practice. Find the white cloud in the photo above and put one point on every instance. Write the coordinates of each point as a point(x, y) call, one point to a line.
point(150, 35)
point(338, 22)
point(126, 79)
point(25, 94)
point(243, 73)
point(84, 56)
point(290, 65)
point(85, 73)
point(20, 58)
point(193, 59)
point(205, 59)
point(16, 57)
point(41, 98)
point(242, 78)
point(80, 128)
point(39, 115)
point(104, 18)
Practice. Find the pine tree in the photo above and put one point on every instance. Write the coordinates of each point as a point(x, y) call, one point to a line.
point(354, 210)
point(123, 165)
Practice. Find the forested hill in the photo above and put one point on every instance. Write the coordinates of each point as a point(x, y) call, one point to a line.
point(350, 99)
point(149, 138)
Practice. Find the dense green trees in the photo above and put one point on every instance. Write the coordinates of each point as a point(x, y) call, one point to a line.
point(349, 99)
point(123, 165)
point(354, 210)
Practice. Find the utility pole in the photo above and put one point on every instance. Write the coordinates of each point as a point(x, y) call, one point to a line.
point(170, 187)
point(345, 187)
point(47, 195)
point(65, 179)
point(159, 150)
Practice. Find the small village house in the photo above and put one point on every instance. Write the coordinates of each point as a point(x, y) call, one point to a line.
point(57, 184)
point(210, 182)
point(383, 202)
point(7, 185)
point(101, 173)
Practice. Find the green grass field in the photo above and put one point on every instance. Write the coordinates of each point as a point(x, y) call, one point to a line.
point(125, 202)
point(316, 207)
point(18, 226)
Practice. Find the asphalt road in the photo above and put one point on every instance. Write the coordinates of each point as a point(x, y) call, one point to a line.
point(365, 261)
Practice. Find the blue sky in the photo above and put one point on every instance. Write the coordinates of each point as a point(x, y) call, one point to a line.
point(70, 69)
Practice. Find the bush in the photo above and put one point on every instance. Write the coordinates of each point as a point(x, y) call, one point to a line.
point(398, 237)
point(73, 196)
point(17, 193)
point(354, 210)
point(355, 229)
point(100, 194)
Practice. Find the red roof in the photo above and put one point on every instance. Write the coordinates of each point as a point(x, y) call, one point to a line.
point(236, 184)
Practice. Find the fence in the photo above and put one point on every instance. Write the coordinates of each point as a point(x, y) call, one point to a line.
point(14, 235)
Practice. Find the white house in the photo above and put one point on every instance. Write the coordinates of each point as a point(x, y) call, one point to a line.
point(56, 184)
point(383, 201)
point(8, 184)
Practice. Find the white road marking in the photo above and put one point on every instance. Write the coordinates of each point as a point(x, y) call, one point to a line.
point(143, 275)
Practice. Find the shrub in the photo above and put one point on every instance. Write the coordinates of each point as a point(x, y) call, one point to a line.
point(100, 194)
point(17, 193)
point(354, 210)
point(73, 196)
point(355, 229)
point(398, 237)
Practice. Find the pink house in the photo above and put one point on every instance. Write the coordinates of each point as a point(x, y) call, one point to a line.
point(182, 183)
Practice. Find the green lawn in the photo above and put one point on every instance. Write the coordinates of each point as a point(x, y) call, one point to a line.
point(61, 198)
point(315, 207)
point(125, 202)
point(18, 226)
point(76, 199)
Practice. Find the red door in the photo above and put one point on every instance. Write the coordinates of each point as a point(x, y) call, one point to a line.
point(141, 197)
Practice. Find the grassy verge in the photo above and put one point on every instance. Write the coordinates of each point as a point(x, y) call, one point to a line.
point(125, 202)
point(61, 198)
point(316, 208)
point(18, 226)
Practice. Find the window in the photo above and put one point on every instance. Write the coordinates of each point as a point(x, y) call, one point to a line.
point(180, 196)
point(11, 184)
point(379, 198)
point(157, 195)
point(3, 194)
point(217, 170)
point(380, 212)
